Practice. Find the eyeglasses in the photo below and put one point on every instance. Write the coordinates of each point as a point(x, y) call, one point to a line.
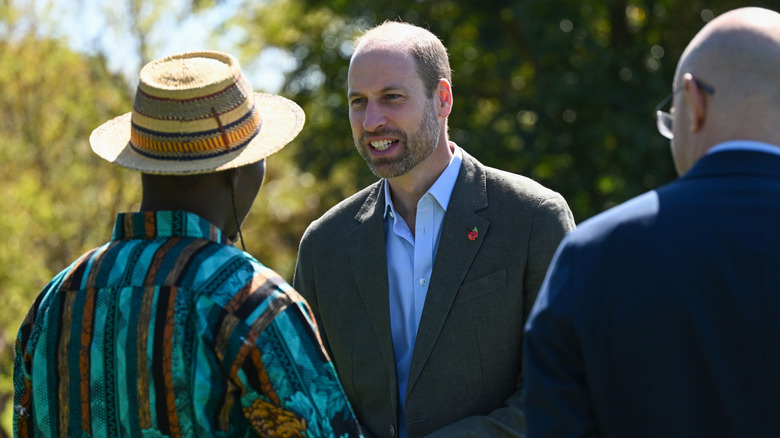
point(664, 120)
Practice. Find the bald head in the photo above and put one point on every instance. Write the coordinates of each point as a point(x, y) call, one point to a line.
point(429, 53)
point(738, 54)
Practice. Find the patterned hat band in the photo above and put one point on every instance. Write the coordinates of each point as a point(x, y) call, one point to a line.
point(203, 127)
point(196, 112)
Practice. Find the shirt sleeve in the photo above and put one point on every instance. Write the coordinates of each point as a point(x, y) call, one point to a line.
point(23, 418)
point(289, 385)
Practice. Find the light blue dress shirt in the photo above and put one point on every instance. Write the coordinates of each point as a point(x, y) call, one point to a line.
point(409, 264)
point(745, 145)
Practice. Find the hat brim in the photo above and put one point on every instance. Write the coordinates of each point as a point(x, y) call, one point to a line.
point(282, 120)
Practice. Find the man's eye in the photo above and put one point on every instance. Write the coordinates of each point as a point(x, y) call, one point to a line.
point(392, 96)
point(357, 101)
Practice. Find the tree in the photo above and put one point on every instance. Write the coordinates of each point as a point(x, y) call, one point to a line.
point(559, 91)
point(58, 198)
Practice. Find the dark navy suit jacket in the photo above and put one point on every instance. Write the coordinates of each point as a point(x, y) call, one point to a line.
point(661, 317)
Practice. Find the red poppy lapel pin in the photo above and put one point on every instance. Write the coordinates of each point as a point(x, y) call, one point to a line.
point(473, 234)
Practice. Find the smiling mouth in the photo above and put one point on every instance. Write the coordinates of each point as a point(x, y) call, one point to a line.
point(382, 145)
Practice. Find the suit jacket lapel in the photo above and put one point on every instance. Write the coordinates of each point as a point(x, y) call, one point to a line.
point(453, 258)
point(368, 258)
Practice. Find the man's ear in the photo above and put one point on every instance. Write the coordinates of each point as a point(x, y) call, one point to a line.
point(696, 102)
point(443, 97)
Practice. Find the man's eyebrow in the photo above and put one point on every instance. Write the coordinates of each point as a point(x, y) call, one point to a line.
point(394, 87)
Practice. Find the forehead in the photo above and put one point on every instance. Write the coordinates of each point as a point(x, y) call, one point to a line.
point(382, 67)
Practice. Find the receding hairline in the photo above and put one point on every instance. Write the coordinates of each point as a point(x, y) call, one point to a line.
point(426, 49)
point(393, 34)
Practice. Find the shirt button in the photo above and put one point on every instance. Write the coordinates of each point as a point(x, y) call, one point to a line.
point(423, 282)
point(392, 430)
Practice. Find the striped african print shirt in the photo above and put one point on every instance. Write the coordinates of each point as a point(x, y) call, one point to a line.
point(168, 330)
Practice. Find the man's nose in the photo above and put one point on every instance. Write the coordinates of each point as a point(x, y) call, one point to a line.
point(374, 116)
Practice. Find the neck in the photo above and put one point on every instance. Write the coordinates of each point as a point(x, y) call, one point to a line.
point(198, 194)
point(407, 189)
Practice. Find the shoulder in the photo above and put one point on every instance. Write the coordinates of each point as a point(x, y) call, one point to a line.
point(507, 184)
point(629, 220)
point(240, 283)
point(220, 272)
point(342, 217)
point(604, 254)
point(70, 278)
point(511, 184)
point(517, 197)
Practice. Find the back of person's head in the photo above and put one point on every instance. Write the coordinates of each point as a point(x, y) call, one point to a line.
point(199, 135)
point(738, 55)
point(429, 53)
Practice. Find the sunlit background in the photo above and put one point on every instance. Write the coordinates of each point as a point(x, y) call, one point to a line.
point(559, 90)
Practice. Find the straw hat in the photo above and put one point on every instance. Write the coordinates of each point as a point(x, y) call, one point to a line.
point(196, 113)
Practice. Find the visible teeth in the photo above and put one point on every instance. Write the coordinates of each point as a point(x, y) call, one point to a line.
point(381, 145)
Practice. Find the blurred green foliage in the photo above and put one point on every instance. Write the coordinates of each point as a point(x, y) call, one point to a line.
point(57, 197)
point(561, 91)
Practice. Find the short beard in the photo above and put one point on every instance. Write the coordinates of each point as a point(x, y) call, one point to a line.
point(419, 144)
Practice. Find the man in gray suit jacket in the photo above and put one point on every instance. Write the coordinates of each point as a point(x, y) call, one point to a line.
point(421, 283)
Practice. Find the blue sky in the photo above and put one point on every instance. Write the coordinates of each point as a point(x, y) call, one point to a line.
point(103, 26)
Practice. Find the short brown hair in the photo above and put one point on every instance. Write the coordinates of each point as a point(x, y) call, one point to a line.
point(429, 53)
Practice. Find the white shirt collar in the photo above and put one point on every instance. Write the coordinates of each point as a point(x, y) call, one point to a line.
point(441, 190)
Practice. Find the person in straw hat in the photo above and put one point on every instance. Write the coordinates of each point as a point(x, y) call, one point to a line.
point(168, 329)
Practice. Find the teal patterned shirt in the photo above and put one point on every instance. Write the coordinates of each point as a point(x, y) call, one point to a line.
point(168, 330)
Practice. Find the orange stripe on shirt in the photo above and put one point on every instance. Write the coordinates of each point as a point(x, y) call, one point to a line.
point(62, 363)
point(173, 416)
point(87, 328)
point(156, 263)
point(144, 316)
point(182, 261)
point(150, 223)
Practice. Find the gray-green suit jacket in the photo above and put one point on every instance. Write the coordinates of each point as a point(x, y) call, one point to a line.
point(465, 377)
